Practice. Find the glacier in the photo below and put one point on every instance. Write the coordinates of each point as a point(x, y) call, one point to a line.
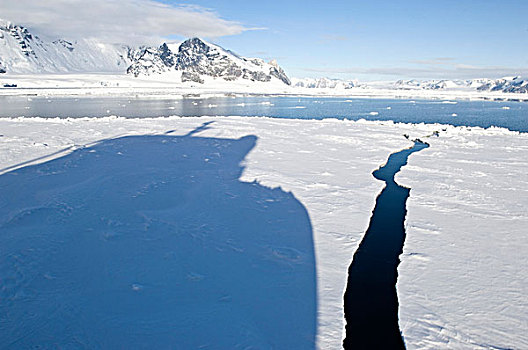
point(22, 52)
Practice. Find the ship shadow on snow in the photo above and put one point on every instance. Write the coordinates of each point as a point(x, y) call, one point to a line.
point(154, 242)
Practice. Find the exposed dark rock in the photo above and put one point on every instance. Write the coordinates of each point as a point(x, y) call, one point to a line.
point(66, 44)
point(196, 59)
point(515, 85)
point(279, 73)
point(151, 61)
point(188, 76)
point(22, 36)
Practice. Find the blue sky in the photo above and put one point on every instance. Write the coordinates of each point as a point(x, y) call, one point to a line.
point(383, 39)
point(367, 40)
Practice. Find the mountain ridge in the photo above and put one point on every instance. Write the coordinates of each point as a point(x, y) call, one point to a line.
point(21, 52)
point(194, 61)
point(515, 84)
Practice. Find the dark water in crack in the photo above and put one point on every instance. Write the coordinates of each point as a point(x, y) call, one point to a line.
point(371, 302)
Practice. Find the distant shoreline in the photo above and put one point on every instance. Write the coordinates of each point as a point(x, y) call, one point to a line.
point(156, 86)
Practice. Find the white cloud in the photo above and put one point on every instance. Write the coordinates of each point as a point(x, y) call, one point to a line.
point(447, 71)
point(123, 21)
point(435, 61)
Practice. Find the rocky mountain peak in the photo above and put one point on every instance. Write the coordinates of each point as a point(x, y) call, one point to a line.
point(194, 46)
point(20, 34)
point(152, 60)
point(197, 59)
point(167, 56)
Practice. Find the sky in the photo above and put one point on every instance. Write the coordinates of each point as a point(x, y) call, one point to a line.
point(364, 40)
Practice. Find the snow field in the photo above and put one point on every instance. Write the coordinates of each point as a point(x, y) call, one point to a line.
point(169, 84)
point(460, 282)
point(326, 164)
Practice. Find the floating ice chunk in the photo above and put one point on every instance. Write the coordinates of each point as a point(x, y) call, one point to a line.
point(136, 287)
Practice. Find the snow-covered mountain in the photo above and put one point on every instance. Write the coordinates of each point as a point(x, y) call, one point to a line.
point(507, 84)
point(437, 84)
point(149, 60)
point(196, 59)
point(323, 83)
point(22, 52)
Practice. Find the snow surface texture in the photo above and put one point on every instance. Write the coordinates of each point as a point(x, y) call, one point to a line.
point(463, 277)
point(152, 241)
point(335, 186)
point(327, 165)
point(165, 85)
